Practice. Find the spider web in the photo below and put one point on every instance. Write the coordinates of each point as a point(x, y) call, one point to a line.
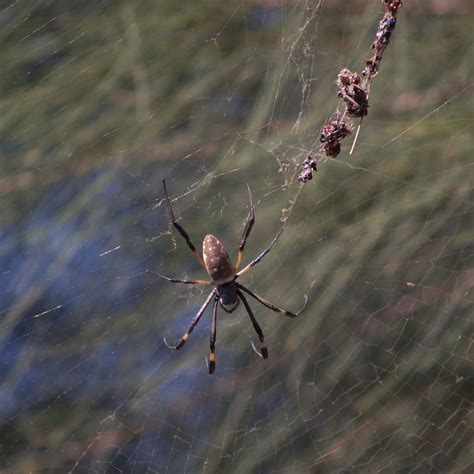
point(101, 100)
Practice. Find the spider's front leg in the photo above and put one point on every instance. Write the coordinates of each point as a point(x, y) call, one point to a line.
point(181, 230)
point(259, 257)
point(179, 280)
point(247, 229)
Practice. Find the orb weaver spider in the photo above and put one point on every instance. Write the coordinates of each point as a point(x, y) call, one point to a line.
point(223, 275)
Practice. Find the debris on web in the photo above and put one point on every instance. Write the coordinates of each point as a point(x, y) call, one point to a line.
point(354, 91)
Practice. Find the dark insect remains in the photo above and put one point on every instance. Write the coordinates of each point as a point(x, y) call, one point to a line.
point(353, 93)
point(223, 276)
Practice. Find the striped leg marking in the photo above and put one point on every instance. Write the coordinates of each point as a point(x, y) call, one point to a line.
point(212, 355)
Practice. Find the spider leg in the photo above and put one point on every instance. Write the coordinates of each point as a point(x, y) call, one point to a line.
point(195, 320)
point(179, 280)
point(259, 257)
point(181, 229)
point(248, 227)
point(212, 341)
point(255, 349)
point(271, 306)
point(258, 329)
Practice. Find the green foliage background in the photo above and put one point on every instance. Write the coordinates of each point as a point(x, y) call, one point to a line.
point(99, 102)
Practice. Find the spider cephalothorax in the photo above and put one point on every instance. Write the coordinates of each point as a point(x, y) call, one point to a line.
point(223, 275)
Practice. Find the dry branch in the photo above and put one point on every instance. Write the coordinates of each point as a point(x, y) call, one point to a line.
point(354, 91)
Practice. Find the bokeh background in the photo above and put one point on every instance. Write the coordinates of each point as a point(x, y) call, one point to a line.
point(100, 100)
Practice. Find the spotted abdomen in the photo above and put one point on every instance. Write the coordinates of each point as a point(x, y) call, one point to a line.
point(217, 261)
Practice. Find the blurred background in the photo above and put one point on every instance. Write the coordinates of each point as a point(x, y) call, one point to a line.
point(100, 100)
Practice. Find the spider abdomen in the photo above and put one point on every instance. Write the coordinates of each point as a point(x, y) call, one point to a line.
point(217, 261)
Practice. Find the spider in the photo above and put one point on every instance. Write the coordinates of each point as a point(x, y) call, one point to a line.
point(223, 275)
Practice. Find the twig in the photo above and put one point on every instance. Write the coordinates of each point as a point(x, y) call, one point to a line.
point(354, 91)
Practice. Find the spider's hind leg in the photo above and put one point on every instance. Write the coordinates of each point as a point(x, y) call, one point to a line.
point(195, 320)
point(256, 326)
point(212, 341)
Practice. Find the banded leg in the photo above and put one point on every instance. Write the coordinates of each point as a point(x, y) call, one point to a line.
point(212, 355)
point(195, 320)
point(179, 280)
point(181, 229)
point(259, 257)
point(271, 306)
point(256, 326)
point(248, 227)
